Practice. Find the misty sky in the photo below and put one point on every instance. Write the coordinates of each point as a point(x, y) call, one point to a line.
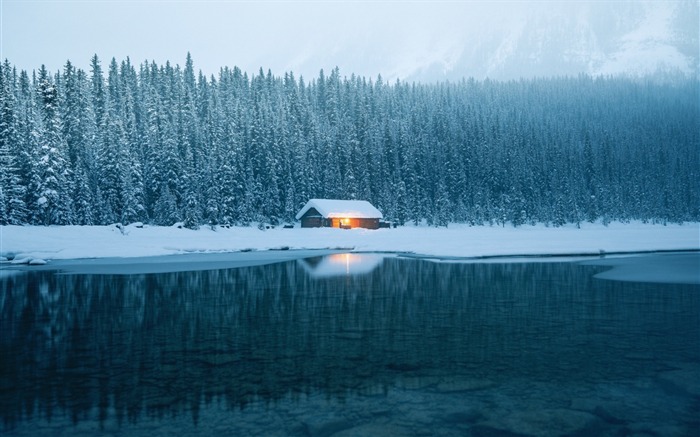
point(407, 40)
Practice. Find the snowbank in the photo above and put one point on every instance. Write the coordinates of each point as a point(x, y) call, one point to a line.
point(75, 242)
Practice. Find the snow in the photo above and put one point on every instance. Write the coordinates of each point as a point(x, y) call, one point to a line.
point(332, 208)
point(77, 242)
point(21, 260)
point(189, 262)
point(140, 249)
point(662, 268)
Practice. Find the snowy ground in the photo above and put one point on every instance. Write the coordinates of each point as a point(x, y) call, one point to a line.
point(78, 242)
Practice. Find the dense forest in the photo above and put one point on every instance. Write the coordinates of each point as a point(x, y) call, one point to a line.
point(161, 144)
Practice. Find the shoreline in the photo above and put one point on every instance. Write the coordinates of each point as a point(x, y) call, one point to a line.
point(547, 256)
point(191, 262)
point(137, 244)
point(184, 262)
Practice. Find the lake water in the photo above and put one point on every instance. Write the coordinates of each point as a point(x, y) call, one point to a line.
point(350, 345)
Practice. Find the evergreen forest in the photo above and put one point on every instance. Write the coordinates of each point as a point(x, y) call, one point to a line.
point(162, 144)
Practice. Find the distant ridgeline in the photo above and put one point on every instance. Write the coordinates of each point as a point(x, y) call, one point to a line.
point(160, 144)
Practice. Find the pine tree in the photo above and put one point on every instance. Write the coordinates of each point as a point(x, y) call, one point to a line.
point(442, 208)
point(160, 146)
point(53, 189)
point(84, 200)
point(191, 215)
point(12, 205)
point(166, 211)
point(212, 211)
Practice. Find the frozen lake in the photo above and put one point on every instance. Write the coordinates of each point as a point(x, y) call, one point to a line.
point(355, 345)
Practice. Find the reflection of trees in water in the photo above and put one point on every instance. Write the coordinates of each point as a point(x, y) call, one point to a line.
point(159, 344)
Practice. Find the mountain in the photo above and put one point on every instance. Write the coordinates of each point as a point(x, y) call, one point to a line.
point(604, 38)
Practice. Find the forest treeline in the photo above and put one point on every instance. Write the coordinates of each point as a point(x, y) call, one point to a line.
point(161, 144)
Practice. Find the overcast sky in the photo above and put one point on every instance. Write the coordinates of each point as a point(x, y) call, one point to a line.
point(394, 38)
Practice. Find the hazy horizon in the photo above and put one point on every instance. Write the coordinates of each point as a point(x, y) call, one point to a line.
point(413, 41)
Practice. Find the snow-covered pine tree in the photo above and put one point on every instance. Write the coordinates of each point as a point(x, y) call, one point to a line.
point(212, 213)
point(562, 150)
point(53, 190)
point(83, 199)
point(442, 210)
point(12, 204)
point(191, 211)
point(111, 165)
point(166, 210)
point(133, 115)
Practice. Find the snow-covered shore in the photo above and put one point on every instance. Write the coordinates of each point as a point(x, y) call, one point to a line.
point(78, 242)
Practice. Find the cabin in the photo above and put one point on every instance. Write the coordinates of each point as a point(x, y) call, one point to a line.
point(344, 214)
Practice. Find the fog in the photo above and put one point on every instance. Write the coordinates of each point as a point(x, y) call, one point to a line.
point(411, 41)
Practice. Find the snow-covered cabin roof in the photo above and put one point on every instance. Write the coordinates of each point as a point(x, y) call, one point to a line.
point(331, 208)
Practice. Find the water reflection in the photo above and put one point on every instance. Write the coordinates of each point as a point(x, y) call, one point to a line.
point(341, 264)
point(289, 346)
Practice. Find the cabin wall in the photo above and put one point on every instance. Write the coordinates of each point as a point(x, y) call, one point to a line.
point(369, 223)
point(319, 222)
point(311, 222)
point(356, 223)
point(313, 219)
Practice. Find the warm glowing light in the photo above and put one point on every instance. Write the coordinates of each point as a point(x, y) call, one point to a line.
point(345, 264)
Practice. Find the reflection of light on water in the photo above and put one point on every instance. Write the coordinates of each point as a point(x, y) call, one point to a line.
point(342, 264)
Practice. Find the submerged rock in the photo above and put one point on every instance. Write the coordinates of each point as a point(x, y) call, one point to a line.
point(463, 417)
point(607, 416)
point(686, 379)
point(376, 430)
point(545, 423)
point(417, 382)
point(654, 429)
point(463, 384)
point(325, 426)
